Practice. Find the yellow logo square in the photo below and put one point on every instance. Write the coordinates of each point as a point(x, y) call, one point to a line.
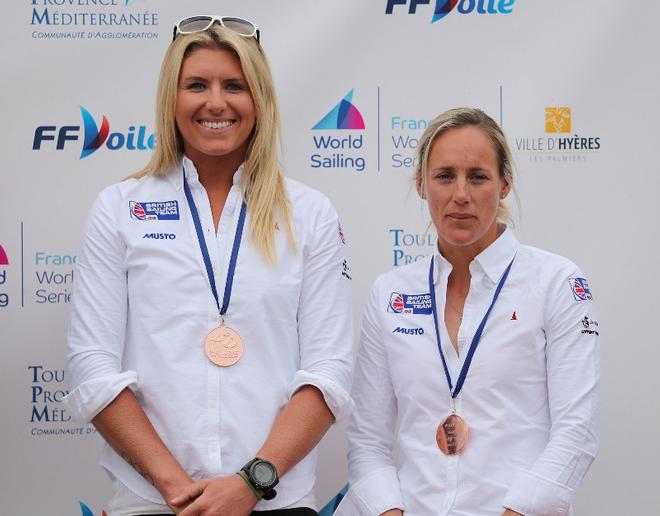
point(557, 120)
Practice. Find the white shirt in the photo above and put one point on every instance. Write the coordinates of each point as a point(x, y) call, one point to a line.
point(142, 307)
point(530, 398)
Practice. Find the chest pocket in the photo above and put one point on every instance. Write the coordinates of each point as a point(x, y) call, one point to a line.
point(412, 351)
point(163, 267)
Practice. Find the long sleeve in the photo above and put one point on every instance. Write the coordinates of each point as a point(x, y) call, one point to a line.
point(97, 323)
point(374, 485)
point(325, 326)
point(572, 362)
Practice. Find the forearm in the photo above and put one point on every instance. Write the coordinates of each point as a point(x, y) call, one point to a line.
point(126, 428)
point(297, 430)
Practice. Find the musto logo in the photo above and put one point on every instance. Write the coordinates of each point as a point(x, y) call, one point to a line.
point(94, 137)
point(444, 7)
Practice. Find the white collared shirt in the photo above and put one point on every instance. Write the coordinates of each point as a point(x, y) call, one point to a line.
point(142, 307)
point(530, 398)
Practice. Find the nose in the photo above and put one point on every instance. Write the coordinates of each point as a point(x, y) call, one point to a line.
point(461, 191)
point(215, 100)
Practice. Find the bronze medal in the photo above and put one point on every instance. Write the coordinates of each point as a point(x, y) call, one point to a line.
point(452, 435)
point(223, 346)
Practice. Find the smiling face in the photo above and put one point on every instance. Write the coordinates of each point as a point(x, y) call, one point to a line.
point(463, 189)
point(214, 109)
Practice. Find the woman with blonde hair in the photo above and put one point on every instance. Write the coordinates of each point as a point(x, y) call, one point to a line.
point(480, 362)
point(208, 337)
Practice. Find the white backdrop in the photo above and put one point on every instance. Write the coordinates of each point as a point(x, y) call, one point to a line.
point(587, 192)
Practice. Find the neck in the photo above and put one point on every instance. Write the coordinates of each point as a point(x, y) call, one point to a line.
point(216, 173)
point(460, 257)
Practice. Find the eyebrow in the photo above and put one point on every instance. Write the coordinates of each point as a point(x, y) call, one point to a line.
point(193, 78)
point(443, 169)
point(450, 168)
point(206, 79)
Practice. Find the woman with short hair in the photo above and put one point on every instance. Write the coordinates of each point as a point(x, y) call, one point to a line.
point(479, 364)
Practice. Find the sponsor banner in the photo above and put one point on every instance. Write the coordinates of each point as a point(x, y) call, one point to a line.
point(409, 246)
point(93, 136)
point(561, 142)
point(84, 20)
point(338, 138)
point(438, 9)
point(404, 134)
point(86, 511)
point(47, 416)
point(4, 275)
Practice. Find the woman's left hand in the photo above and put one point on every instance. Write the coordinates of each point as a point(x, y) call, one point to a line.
point(228, 496)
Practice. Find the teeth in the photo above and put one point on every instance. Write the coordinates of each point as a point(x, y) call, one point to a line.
point(215, 125)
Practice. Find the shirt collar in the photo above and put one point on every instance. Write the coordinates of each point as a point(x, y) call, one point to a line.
point(492, 261)
point(191, 173)
point(497, 256)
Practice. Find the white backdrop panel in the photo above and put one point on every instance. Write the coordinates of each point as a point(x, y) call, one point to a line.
point(595, 205)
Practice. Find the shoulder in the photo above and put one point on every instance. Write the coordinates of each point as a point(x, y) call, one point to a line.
point(555, 276)
point(312, 212)
point(545, 264)
point(306, 199)
point(144, 189)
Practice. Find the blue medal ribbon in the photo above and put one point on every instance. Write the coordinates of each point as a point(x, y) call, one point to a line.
point(205, 251)
point(454, 391)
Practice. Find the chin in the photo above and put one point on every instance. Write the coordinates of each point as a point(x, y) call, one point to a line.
point(458, 237)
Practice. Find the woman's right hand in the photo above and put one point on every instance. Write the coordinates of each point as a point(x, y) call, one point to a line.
point(173, 489)
point(393, 512)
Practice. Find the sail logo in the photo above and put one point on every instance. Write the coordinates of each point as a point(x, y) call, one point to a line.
point(343, 116)
point(4, 260)
point(339, 152)
point(4, 296)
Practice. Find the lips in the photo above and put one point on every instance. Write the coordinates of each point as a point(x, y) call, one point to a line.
point(216, 124)
point(460, 216)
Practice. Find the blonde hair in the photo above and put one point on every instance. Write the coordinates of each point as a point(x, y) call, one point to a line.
point(462, 117)
point(262, 180)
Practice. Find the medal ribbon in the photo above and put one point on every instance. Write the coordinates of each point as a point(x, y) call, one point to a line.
point(477, 336)
point(205, 251)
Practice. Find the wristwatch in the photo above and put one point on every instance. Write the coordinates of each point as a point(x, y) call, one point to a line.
point(263, 477)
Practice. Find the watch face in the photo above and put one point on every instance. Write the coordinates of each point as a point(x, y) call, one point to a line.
point(263, 474)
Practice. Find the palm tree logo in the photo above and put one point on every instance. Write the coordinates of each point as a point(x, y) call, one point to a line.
point(558, 120)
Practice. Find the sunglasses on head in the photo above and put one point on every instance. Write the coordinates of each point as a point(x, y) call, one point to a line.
point(200, 23)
